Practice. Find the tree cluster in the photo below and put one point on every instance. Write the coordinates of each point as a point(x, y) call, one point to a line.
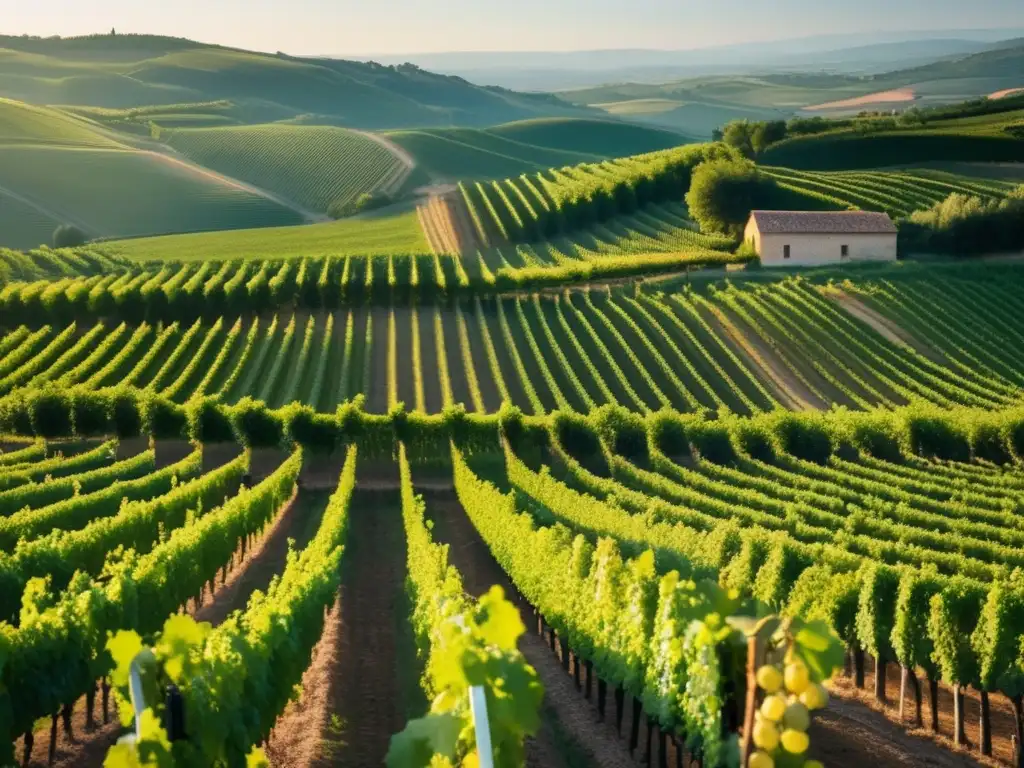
point(963, 225)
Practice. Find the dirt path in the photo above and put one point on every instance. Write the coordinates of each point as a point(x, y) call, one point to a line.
point(298, 521)
point(882, 325)
point(465, 229)
point(860, 707)
point(791, 392)
point(407, 163)
point(436, 221)
point(570, 717)
point(353, 699)
point(849, 735)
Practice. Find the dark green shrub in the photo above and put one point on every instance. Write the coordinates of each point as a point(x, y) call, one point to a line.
point(804, 436)
point(753, 437)
point(576, 436)
point(666, 431)
point(724, 192)
point(163, 419)
point(208, 421)
point(621, 431)
point(126, 415)
point(69, 236)
point(50, 412)
point(255, 426)
point(711, 440)
point(314, 431)
point(932, 433)
point(90, 412)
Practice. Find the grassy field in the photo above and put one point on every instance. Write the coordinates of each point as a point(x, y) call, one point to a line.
point(311, 165)
point(23, 226)
point(382, 234)
point(112, 192)
point(59, 169)
point(26, 124)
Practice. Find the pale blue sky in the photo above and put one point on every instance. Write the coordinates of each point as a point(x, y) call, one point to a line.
point(404, 26)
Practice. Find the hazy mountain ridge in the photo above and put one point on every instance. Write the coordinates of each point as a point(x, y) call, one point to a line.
point(841, 54)
point(120, 71)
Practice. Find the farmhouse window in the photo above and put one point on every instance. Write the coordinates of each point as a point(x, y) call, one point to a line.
point(785, 251)
point(844, 250)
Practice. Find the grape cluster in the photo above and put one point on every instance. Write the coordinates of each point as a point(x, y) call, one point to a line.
point(780, 725)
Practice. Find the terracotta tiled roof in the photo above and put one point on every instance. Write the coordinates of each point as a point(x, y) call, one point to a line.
point(823, 223)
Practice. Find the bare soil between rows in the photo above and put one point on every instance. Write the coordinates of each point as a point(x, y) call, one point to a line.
point(353, 697)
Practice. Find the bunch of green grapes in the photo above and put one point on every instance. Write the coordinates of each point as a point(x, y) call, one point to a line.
point(780, 725)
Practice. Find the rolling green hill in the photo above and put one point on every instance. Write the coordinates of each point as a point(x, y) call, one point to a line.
point(981, 138)
point(525, 146)
point(312, 165)
point(56, 169)
point(127, 71)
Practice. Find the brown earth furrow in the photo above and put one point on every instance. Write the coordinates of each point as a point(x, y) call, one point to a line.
point(788, 388)
point(297, 521)
point(365, 703)
point(882, 325)
point(465, 230)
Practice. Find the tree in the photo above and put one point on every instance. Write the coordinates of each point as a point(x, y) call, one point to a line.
point(767, 133)
point(724, 192)
point(738, 134)
point(68, 236)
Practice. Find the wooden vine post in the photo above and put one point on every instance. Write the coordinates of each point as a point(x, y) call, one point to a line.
point(750, 705)
point(757, 642)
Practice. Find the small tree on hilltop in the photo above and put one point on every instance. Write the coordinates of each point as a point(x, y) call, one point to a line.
point(68, 236)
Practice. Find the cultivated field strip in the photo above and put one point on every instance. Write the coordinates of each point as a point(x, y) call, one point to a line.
point(311, 165)
point(898, 193)
point(743, 348)
point(899, 556)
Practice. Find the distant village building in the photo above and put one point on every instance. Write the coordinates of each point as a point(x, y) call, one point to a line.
point(812, 238)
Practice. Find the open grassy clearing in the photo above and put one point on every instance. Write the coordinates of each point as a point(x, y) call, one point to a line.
point(379, 233)
point(23, 225)
point(118, 193)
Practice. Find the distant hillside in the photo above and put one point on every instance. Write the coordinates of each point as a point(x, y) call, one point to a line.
point(55, 169)
point(853, 53)
point(311, 165)
point(137, 70)
point(451, 154)
point(698, 105)
point(873, 142)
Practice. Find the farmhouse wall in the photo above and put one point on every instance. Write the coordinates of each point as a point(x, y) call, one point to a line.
point(815, 250)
